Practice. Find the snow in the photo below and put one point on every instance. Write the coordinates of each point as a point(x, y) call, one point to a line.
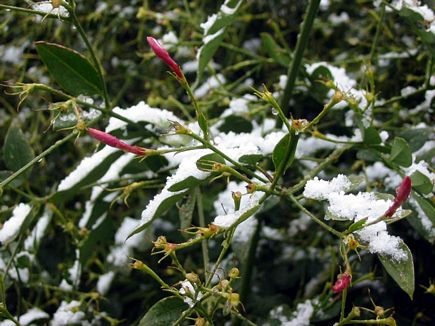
point(48, 8)
point(208, 23)
point(28, 318)
point(104, 282)
point(301, 317)
point(123, 247)
point(354, 207)
point(190, 295)
point(321, 189)
point(67, 314)
point(169, 39)
point(86, 166)
point(38, 231)
point(141, 112)
point(211, 83)
point(11, 227)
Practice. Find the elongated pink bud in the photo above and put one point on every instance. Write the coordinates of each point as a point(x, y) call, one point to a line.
point(164, 56)
point(112, 141)
point(343, 282)
point(402, 194)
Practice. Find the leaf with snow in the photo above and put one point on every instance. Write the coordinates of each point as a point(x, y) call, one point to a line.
point(16, 223)
point(402, 271)
point(214, 32)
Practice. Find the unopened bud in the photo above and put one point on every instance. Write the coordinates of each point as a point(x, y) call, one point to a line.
point(338, 97)
point(237, 197)
point(251, 188)
point(234, 273)
point(342, 283)
point(234, 299)
point(161, 242)
point(224, 284)
point(200, 321)
point(165, 57)
point(379, 311)
point(137, 264)
point(180, 129)
point(356, 311)
point(192, 277)
point(402, 194)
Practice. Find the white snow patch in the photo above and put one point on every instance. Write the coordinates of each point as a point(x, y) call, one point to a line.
point(12, 226)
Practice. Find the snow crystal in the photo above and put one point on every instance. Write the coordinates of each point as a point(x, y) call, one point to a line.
point(208, 23)
point(321, 189)
point(187, 168)
point(169, 39)
point(301, 317)
point(38, 231)
point(361, 205)
point(338, 19)
point(32, 315)
point(12, 226)
point(142, 112)
point(68, 314)
point(104, 282)
point(48, 8)
point(380, 242)
point(190, 295)
point(85, 167)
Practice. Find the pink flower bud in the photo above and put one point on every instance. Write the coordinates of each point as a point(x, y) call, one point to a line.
point(115, 142)
point(342, 283)
point(402, 193)
point(164, 56)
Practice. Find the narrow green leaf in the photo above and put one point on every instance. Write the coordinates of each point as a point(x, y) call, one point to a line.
point(187, 183)
point(416, 137)
point(427, 207)
point(215, 34)
point(236, 123)
point(164, 312)
point(250, 159)
point(401, 271)
point(421, 183)
point(288, 143)
point(371, 136)
point(401, 152)
point(71, 70)
point(274, 51)
point(17, 151)
point(163, 207)
point(356, 226)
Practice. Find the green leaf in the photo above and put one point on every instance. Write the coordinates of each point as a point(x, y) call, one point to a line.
point(236, 124)
point(356, 226)
point(401, 152)
point(189, 182)
point(416, 137)
point(215, 35)
point(287, 144)
point(421, 183)
point(371, 136)
point(14, 183)
point(71, 70)
point(427, 207)
point(163, 207)
point(274, 51)
point(401, 271)
point(164, 312)
point(17, 151)
point(250, 159)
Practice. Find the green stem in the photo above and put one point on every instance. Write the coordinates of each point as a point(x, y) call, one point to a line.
point(35, 160)
point(209, 145)
point(97, 64)
point(249, 268)
point(315, 218)
point(301, 44)
point(377, 34)
point(343, 304)
point(204, 244)
point(34, 12)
